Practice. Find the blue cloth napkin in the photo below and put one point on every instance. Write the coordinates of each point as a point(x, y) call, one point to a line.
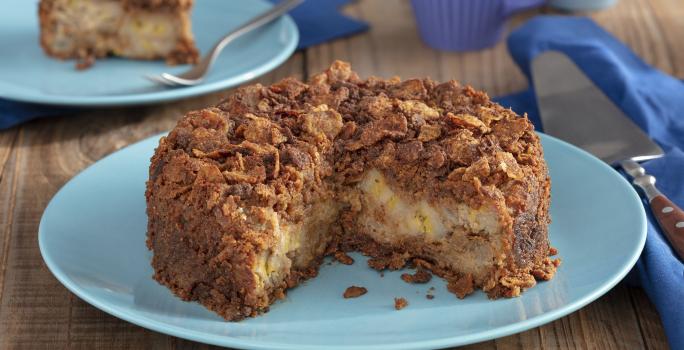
point(655, 101)
point(317, 20)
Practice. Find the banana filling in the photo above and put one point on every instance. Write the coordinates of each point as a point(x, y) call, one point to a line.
point(391, 214)
point(388, 216)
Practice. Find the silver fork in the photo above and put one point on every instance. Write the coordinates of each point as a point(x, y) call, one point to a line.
point(195, 75)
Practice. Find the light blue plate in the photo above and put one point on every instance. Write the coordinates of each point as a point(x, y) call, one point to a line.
point(27, 74)
point(92, 237)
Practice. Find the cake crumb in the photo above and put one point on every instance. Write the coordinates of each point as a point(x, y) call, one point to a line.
point(85, 62)
point(354, 292)
point(377, 263)
point(400, 303)
point(462, 286)
point(343, 258)
point(553, 251)
point(429, 294)
point(420, 276)
point(546, 270)
point(395, 261)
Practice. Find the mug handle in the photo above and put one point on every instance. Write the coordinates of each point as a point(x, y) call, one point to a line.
point(511, 7)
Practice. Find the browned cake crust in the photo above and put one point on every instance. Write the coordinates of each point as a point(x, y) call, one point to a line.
point(103, 36)
point(288, 146)
point(170, 5)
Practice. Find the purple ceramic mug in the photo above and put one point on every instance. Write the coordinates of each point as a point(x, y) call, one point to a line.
point(465, 25)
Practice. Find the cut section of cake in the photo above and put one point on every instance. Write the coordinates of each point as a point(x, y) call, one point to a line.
point(139, 29)
point(246, 198)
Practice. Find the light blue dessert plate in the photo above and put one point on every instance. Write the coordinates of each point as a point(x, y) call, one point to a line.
point(92, 237)
point(27, 74)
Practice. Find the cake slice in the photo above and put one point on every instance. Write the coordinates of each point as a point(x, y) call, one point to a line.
point(139, 29)
point(244, 199)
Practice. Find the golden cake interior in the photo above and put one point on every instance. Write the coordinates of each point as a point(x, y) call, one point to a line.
point(247, 197)
point(459, 237)
point(140, 29)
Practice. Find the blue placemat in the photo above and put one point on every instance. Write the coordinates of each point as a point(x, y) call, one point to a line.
point(318, 21)
point(655, 101)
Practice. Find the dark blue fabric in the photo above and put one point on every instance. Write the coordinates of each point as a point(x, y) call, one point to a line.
point(13, 113)
point(655, 101)
point(318, 21)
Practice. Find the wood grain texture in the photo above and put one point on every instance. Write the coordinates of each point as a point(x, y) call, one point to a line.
point(37, 158)
point(649, 322)
point(667, 18)
point(8, 175)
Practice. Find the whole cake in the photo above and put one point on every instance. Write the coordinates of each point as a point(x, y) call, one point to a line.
point(245, 199)
point(141, 29)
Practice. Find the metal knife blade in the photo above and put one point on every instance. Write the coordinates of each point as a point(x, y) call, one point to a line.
point(573, 109)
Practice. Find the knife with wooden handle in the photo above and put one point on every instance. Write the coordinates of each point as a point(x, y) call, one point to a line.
point(575, 110)
point(670, 217)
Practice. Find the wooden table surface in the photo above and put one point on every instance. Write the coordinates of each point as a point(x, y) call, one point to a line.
point(37, 158)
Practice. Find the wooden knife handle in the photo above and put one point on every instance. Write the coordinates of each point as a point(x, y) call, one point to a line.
point(671, 220)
